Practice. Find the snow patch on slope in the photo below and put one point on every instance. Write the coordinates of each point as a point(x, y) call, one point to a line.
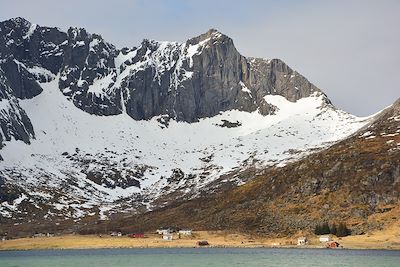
point(245, 89)
point(30, 31)
point(101, 85)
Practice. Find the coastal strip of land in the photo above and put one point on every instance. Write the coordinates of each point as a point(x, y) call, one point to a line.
point(378, 240)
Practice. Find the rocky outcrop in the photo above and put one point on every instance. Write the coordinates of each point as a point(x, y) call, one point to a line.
point(88, 69)
point(32, 44)
point(13, 120)
point(22, 82)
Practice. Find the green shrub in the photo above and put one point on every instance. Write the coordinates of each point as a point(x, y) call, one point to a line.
point(342, 230)
point(325, 229)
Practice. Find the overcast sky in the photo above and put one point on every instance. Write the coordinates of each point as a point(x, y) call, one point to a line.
point(349, 49)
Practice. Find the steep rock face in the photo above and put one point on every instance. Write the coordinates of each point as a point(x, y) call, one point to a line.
point(13, 120)
point(277, 78)
point(88, 66)
point(22, 82)
point(202, 77)
point(217, 80)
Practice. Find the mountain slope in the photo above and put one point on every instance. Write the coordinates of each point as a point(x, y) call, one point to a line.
point(356, 181)
point(107, 130)
point(89, 163)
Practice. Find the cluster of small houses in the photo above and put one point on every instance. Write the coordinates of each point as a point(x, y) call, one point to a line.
point(43, 235)
point(323, 239)
point(36, 235)
point(167, 234)
point(136, 235)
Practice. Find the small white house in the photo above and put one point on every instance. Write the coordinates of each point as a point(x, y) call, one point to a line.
point(187, 232)
point(302, 241)
point(325, 238)
point(163, 231)
point(116, 234)
point(167, 237)
point(39, 235)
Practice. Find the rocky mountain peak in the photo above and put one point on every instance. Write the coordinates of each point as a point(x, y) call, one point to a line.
point(186, 81)
point(17, 30)
point(78, 34)
point(211, 37)
point(19, 22)
point(211, 33)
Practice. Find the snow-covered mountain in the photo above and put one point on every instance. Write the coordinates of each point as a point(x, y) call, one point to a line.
point(88, 129)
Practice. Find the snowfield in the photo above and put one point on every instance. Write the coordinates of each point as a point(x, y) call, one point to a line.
point(71, 143)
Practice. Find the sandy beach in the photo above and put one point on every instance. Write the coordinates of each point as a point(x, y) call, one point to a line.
point(387, 239)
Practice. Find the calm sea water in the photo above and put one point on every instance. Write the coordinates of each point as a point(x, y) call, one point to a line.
point(199, 257)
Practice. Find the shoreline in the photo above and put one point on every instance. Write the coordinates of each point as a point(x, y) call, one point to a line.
point(216, 240)
point(208, 247)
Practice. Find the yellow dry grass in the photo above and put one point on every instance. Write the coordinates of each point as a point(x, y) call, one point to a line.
point(218, 239)
point(387, 239)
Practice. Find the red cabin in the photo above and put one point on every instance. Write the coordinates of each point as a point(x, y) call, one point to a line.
point(333, 245)
point(137, 235)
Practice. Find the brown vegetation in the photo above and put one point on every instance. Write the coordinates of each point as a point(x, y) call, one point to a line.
point(356, 181)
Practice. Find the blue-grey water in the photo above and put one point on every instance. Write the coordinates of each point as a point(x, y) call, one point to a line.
point(199, 257)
